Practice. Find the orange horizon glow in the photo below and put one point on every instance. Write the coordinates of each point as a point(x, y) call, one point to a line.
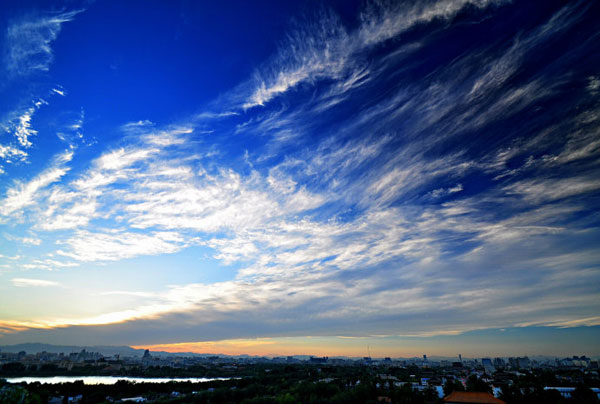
point(287, 346)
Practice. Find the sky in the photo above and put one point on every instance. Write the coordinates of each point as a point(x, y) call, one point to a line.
point(392, 178)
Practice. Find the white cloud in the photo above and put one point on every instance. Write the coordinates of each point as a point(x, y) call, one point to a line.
point(170, 137)
point(127, 293)
point(72, 131)
point(216, 115)
point(28, 42)
point(22, 195)
point(111, 246)
point(19, 123)
point(23, 129)
point(75, 216)
point(593, 84)
point(134, 127)
point(327, 50)
point(439, 192)
point(25, 240)
point(382, 21)
point(312, 52)
point(25, 283)
point(121, 158)
point(11, 153)
point(48, 264)
point(544, 190)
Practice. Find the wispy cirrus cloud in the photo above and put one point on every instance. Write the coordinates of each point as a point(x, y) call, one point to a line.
point(326, 50)
point(23, 195)
point(27, 49)
point(28, 41)
point(19, 125)
point(115, 245)
point(23, 130)
point(376, 200)
point(552, 189)
point(48, 264)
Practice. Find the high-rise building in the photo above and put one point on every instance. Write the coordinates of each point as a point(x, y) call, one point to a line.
point(523, 362)
point(487, 365)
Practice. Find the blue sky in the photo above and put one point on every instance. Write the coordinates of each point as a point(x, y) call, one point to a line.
point(310, 173)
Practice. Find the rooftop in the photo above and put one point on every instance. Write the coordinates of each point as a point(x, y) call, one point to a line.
point(472, 397)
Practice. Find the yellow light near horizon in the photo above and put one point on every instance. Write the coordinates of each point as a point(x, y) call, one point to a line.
point(316, 346)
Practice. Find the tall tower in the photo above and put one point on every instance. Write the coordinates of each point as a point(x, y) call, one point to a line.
point(460, 358)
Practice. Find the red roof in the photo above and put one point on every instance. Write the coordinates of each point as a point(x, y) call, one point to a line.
point(474, 397)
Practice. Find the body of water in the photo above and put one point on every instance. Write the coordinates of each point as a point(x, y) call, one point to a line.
point(109, 379)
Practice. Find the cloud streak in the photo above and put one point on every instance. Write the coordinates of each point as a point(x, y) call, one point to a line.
point(26, 283)
point(325, 50)
point(23, 195)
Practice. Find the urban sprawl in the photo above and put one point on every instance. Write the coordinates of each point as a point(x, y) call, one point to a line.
point(296, 378)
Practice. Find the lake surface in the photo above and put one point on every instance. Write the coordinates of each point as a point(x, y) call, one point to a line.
point(109, 379)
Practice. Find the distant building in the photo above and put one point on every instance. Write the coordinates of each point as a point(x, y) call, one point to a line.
point(499, 362)
point(581, 361)
point(472, 397)
point(488, 367)
point(133, 400)
point(566, 392)
point(524, 362)
point(317, 360)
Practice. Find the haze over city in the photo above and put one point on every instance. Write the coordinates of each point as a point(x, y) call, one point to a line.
point(330, 178)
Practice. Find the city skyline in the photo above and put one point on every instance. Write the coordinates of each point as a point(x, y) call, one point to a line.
point(26, 352)
point(302, 178)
